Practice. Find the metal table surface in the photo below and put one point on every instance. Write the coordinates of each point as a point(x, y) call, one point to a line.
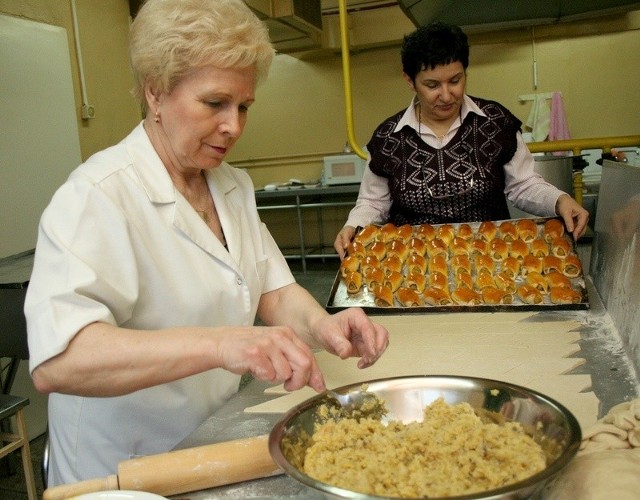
point(613, 381)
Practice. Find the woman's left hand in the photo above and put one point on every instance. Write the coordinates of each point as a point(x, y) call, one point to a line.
point(574, 215)
point(350, 333)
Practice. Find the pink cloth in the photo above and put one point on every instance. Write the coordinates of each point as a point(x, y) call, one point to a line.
point(558, 127)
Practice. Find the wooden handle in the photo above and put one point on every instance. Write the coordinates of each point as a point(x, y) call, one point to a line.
point(182, 471)
point(90, 486)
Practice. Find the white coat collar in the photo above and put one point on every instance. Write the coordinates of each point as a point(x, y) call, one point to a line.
point(160, 190)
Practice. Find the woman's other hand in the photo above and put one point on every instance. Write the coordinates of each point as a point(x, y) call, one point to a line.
point(343, 239)
point(574, 215)
point(350, 333)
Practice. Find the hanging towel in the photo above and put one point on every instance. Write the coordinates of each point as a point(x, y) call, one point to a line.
point(559, 129)
point(539, 120)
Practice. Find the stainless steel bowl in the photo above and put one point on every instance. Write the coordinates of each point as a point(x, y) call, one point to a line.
point(406, 398)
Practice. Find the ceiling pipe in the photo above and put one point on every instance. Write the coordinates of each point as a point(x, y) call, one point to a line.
point(346, 73)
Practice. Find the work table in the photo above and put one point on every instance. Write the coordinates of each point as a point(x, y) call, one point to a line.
point(613, 381)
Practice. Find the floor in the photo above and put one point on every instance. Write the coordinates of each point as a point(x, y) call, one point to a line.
point(318, 280)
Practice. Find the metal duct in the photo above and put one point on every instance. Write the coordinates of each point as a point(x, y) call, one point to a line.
point(491, 15)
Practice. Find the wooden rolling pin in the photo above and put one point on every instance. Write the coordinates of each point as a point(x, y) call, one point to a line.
point(182, 471)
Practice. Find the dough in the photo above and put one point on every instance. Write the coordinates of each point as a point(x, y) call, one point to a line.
point(608, 474)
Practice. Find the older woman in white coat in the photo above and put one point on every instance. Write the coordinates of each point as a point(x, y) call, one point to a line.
point(152, 263)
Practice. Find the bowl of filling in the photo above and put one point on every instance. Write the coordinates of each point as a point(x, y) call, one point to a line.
point(427, 437)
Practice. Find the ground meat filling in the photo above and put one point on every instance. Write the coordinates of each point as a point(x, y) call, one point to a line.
point(451, 452)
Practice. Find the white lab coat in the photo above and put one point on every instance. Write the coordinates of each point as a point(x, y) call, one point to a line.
point(119, 244)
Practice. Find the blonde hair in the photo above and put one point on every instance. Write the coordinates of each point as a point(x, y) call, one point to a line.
point(171, 38)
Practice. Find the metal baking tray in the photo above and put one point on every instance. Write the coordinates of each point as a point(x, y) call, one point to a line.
point(340, 299)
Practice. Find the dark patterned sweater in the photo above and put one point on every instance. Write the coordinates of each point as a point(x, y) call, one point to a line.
point(463, 181)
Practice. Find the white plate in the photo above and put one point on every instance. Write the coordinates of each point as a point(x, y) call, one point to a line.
point(119, 495)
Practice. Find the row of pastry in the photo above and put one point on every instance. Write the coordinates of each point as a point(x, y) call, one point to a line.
point(524, 229)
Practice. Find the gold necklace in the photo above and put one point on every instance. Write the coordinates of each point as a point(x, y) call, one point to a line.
point(203, 215)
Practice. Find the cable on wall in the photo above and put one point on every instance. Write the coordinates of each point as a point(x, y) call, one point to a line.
point(88, 110)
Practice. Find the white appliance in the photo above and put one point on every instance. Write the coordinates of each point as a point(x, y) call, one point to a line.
point(342, 169)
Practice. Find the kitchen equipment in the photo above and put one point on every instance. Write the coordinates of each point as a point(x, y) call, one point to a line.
point(182, 471)
point(342, 169)
point(405, 399)
point(556, 170)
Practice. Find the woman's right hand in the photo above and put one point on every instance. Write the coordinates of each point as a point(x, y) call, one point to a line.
point(271, 353)
point(343, 239)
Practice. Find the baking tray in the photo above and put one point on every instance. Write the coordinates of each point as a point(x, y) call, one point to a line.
point(339, 299)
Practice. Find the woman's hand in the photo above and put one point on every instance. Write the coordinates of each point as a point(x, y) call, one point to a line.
point(275, 354)
point(343, 239)
point(350, 333)
point(574, 215)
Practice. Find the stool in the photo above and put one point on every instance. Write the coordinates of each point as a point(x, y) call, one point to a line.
point(10, 406)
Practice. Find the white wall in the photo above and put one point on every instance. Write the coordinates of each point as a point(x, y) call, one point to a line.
point(39, 144)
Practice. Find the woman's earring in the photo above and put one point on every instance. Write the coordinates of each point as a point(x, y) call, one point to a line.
point(156, 118)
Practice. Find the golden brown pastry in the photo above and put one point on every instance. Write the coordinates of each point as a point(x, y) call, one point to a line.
point(408, 297)
point(404, 233)
point(417, 246)
point(379, 249)
point(436, 246)
point(551, 229)
point(508, 231)
point(391, 263)
point(417, 281)
point(530, 263)
point(373, 277)
point(349, 264)
point(445, 232)
point(383, 296)
point(557, 279)
point(369, 261)
point(367, 234)
point(462, 278)
point(461, 262)
point(518, 249)
point(426, 231)
point(527, 230)
point(505, 282)
point(487, 230)
point(393, 280)
point(484, 262)
point(539, 248)
point(436, 297)
point(399, 248)
point(354, 282)
point(498, 249)
point(479, 247)
point(484, 279)
point(466, 297)
point(460, 246)
point(492, 295)
point(551, 263)
point(571, 266)
point(511, 267)
point(416, 264)
point(529, 294)
point(438, 280)
point(536, 280)
point(387, 232)
point(560, 247)
point(564, 295)
point(357, 249)
point(438, 263)
point(465, 231)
